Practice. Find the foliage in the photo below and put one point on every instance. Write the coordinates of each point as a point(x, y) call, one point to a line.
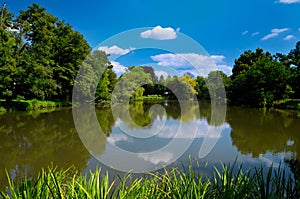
point(129, 84)
point(40, 56)
point(265, 82)
point(246, 61)
point(227, 182)
point(27, 105)
point(153, 97)
point(181, 88)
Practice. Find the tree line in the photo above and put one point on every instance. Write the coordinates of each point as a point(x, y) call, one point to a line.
point(41, 55)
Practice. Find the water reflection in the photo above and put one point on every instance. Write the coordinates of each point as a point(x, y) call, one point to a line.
point(258, 132)
point(30, 142)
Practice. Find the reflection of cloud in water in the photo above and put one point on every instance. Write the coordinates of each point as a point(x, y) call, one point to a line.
point(117, 137)
point(172, 129)
point(187, 131)
point(268, 161)
point(161, 157)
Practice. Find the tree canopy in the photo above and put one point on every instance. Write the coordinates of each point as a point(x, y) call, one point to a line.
point(40, 57)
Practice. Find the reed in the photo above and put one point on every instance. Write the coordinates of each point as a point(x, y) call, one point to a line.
point(230, 181)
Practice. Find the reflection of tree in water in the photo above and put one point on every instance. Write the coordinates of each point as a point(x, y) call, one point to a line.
point(106, 120)
point(257, 132)
point(185, 111)
point(138, 113)
point(213, 113)
point(141, 112)
point(29, 143)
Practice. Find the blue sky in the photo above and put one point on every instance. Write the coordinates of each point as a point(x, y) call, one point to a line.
point(225, 29)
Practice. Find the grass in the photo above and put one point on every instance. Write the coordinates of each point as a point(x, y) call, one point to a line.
point(27, 105)
point(227, 182)
point(152, 97)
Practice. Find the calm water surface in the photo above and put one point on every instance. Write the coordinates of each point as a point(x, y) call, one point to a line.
point(254, 137)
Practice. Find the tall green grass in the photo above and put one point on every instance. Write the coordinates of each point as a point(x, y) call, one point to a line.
point(227, 182)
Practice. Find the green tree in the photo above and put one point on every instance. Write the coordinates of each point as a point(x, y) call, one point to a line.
point(103, 69)
point(181, 87)
point(8, 49)
point(246, 61)
point(265, 82)
point(69, 52)
point(201, 88)
point(53, 57)
point(129, 84)
point(294, 64)
point(216, 82)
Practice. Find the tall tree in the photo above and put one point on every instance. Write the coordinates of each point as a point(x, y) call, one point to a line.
point(246, 61)
point(8, 50)
point(265, 82)
point(294, 61)
point(55, 53)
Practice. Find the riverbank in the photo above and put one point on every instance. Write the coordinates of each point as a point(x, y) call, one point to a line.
point(291, 104)
point(33, 105)
point(29, 105)
point(228, 182)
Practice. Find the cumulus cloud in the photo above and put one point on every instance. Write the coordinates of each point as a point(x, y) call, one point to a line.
point(115, 50)
point(289, 37)
point(289, 1)
point(225, 68)
point(217, 59)
point(199, 64)
point(254, 34)
point(160, 33)
point(118, 68)
point(274, 33)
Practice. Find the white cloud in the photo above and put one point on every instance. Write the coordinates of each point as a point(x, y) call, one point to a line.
point(161, 72)
point(225, 68)
point(169, 59)
point(245, 32)
point(289, 1)
point(274, 33)
point(118, 68)
point(289, 37)
point(115, 50)
point(217, 58)
point(254, 34)
point(198, 64)
point(299, 29)
point(276, 30)
point(160, 33)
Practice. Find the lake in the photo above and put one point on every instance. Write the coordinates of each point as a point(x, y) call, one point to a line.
point(146, 136)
